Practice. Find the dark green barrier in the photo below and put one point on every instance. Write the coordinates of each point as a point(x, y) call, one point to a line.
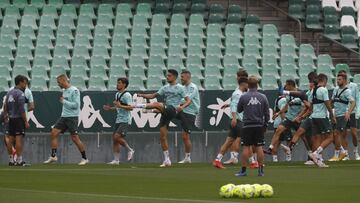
point(94, 119)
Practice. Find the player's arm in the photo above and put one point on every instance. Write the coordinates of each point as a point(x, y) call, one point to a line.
point(128, 100)
point(329, 108)
point(148, 96)
point(352, 106)
point(282, 112)
point(233, 110)
point(266, 112)
point(305, 112)
point(21, 106)
point(184, 105)
point(74, 102)
point(5, 112)
point(240, 107)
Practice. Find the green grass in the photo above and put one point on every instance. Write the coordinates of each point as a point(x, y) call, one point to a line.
point(292, 183)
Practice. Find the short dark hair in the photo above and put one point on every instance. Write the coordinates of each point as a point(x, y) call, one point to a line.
point(344, 75)
point(242, 73)
point(312, 76)
point(253, 82)
point(322, 77)
point(173, 72)
point(124, 80)
point(186, 72)
point(342, 72)
point(242, 80)
point(291, 82)
point(20, 78)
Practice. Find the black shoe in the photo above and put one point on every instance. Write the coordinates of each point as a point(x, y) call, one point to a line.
point(11, 164)
point(20, 164)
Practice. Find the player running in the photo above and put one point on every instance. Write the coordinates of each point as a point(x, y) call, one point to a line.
point(190, 112)
point(255, 120)
point(341, 99)
point(15, 116)
point(173, 107)
point(68, 121)
point(236, 122)
point(122, 106)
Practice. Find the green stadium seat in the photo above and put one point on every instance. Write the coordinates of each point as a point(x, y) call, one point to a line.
point(216, 19)
point(331, 20)
point(356, 79)
point(39, 71)
point(100, 40)
point(136, 84)
point(214, 40)
point(158, 40)
point(98, 61)
point(289, 71)
point(252, 69)
point(101, 51)
point(60, 62)
point(270, 30)
point(106, 9)
point(45, 41)
point(24, 51)
point(156, 70)
point(67, 21)
point(57, 3)
point(252, 50)
point(214, 30)
point(212, 71)
point(19, 70)
point(156, 63)
point(329, 10)
point(177, 41)
point(175, 62)
point(325, 59)
point(124, 9)
point(270, 69)
point(84, 31)
point(252, 30)
point(102, 31)
point(305, 69)
point(177, 31)
point(158, 50)
point(87, 10)
point(96, 84)
point(313, 22)
point(269, 50)
point(270, 41)
point(64, 41)
point(196, 41)
point(348, 11)
point(48, 22)
point(307, 50)
point(234, 51)
point(5, 62)
point(212, 83)
point(326, 70)
point(69, 10)
point(270, 60)
point(197, 20)
point(342, 66)
point(6, 52)
point(79, 62)
point(51, 11)
point(32, 11)
point(180, 8)
point(158, 31)
point(120, 51)
point(117, 72)
point(12, 11)
point(144, 9)
point(216, 8)
point(296, 11)
point(213, 50)
point(234, 19)
point(252, 41)
point(213, 61)
point(98, 71)
point(288, 40)
point(41, 62)
point(62, 51)
point(231, 61)
point(153, 83)
point(162, 8)
point(118, 62)
point(22, 61)
point(112, 83)
point(253, 19)
point(105, 21)
point(284, 78)
point(26, 31)
point(269, 83)
point(198, 31)
point(350, 41)
point(7, 42)
point(53, 85)
point(136, 62)
point(5, 74)
point(195, 71)
point(29, 21)
point(287, 59)
point(194, 60)
point(8, 32)
point(198, 9)
point(82, 41)
point(288, 51)
point(78, 82)
point(46, 31)
point(86, 21)
point(312, 10)
point(230, 82)
point(160, 20)
point(20, 3)
point(332, 32)
point(250, 60)
point(194, 50)
point(137, 71)
point(10, 21)
point(4, 4)
point(234, 9)
point(139, 40)
point(176, 50)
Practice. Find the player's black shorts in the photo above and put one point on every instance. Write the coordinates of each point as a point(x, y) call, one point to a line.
point(286, 135)
point(121, 129)
point(187, 121)
point(288, 124)
point(352, 122)
point(16, 127)
point(306, 124)
point(67, 124)
point(168, 114)
point(341, 123)
point(236, 131)
point(252, 136)
point(321, 126)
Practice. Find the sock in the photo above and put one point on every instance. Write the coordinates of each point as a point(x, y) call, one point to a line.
point(117, 156)
point(141, 106)
point(337, 153)
point(236, 154)
point(356, 150)
point(271, 147)
point(261, 169)
point(232, 155)
point(219, 157)
point(166, 155)
point(19, 159)
point(291, 145)
point(319, 150)
point(275, 157)
point(187, 155)
point(11, 158)
point(53, 152)
point(128, 147)
point(342, 149)
point(83, 155)
point(346, 152)
point(254, 157)
point(243, 169)
point(321, 157)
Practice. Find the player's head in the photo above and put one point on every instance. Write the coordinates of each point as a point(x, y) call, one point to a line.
point(342, 72)
point(171, 76)
point(243, 83)
point(253, 82)
point(322, 79)
point(290, 85)
point(21, 82)
point(312, 77)
point(341, 79)
point(185, 77)
point(122, 83)
point(62, 81)
point(241, 73)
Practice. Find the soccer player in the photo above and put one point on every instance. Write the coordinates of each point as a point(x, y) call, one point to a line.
point(15, 115)
point(190, 112)
point(122, 106)
point(341, 99)
point(255, 120)
point(321, 126)
point(173, 107)
point(293, 107)
point(279, 117)
point(235, 124)
point(353, 120)
point(68, 121)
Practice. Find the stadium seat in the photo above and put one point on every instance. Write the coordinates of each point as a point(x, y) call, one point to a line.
point(342, 66)
point(296, 11)
point(5, 74)
point(175, 62)
point(78, 82)
point(38, 84)
point(61, 62)
point(39, 71)
point(10, 21)
point(41, 62)
point(325, 59)
point(252, 30)
point(313, 22)
point(79, 62)
point(25, 51)
point(46, 31)
point(8, 32)
point(269, 82)
point(4, 85)
point(50, 11)
point(234, 19)
point(153, 83)
point(332, 32)
point(31, 11)
point(13, 12)
point(197, 20)
point(5, 62)
point(270, 69)
point(57, 3)
point(6, 52)
point(19, 70)
point(253, 19)
point(270, 30)
point(136, 84)
point(21, 61)
point(348, 22)
point(212, 83)
point(288, 40)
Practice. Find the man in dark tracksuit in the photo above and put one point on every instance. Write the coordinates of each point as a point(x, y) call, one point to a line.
point(255, 108)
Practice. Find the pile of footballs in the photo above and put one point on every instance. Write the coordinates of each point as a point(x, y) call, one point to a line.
point(246, 191)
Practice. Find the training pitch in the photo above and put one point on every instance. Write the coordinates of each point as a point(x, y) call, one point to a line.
point(138, 183)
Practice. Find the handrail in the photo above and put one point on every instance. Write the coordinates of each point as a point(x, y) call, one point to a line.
point(334, 41)
point(283, 12)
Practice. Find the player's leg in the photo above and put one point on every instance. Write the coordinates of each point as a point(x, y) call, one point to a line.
point(10, 141)
point(187, 123)
point(234, 152)
point(158, 107)
point(116, 150)
point(328, 138)
point(275, 139)
point(120, 138)
point(81, 147)
point(354, 134)
point(246, 153)
point(19, 141)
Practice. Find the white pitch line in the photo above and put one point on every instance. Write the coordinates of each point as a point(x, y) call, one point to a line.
point(116, 196)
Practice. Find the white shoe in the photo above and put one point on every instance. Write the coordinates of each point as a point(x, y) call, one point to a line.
point(83, 162)
point(314, 157)
point(231, 161)
point(185, 161)
point(114, 162)
point(275, 159)
point(309, 162)
point(51, 160)
point(347, 158)
point(166, 163)
point(130, 155)
point(322, 164)
point(288, 156)
point(357, 156)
